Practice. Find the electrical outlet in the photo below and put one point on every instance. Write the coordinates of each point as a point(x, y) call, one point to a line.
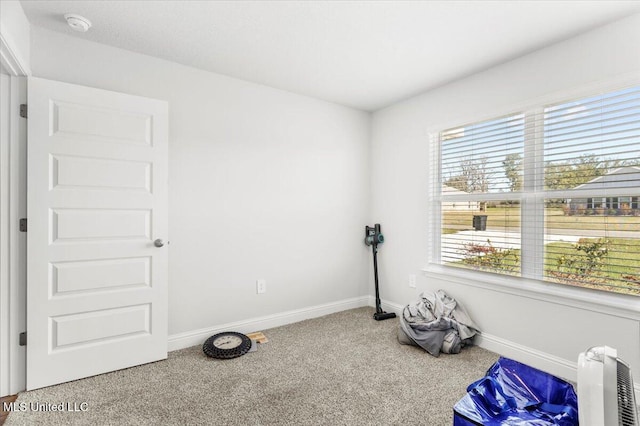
point(261, 286)
point(412, 281)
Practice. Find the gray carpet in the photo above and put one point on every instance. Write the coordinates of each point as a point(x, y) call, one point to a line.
point(341, 369)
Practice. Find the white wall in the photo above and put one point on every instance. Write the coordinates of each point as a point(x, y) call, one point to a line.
point(263, 184)
point(548, 331)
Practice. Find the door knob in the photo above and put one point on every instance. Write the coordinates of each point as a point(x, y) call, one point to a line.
point(158, 242)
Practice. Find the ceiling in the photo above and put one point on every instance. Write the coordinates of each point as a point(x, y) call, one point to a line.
point(363, 54)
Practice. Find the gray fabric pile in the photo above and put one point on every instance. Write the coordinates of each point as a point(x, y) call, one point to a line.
point(437, 323)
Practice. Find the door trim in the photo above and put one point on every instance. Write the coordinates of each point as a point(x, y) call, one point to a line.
point(13, 280)
point(10, 59)
point(13, 284)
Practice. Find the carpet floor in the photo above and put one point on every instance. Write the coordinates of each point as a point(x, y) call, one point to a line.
point(341, 369)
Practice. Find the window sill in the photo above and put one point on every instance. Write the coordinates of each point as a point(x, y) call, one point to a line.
point(593, 300)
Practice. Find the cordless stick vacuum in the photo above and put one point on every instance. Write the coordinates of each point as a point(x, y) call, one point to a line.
point(372, 238)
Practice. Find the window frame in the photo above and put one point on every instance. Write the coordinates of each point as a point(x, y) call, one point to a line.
point(531, 283)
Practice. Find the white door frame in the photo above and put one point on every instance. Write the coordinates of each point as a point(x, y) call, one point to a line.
point(13, 305)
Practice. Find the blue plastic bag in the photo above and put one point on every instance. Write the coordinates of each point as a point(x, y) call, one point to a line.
point(515, 394)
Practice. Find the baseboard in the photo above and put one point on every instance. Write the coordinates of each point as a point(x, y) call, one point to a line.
point(386, 305)
point(197, 337)
point(551, 364)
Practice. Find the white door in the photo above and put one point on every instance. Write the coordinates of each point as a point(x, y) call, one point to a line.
point(97, 212)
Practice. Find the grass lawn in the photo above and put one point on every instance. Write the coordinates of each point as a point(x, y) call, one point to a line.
point(620, 272)
point(449, 231)
point(556, 219)
point(621, 267)
point(509, 217)
point(497, 217)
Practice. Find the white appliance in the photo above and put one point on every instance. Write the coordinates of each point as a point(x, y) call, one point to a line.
point(605, 389)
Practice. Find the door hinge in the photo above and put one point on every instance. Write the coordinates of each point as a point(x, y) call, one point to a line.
point(23, 110)
point(23, 225)
point(23, 339)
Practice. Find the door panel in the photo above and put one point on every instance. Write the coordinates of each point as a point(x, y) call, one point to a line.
point(69, 278)
point(74, 172)
point(97, 200)
point(95, 224)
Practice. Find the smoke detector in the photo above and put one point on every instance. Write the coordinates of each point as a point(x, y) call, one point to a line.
point(77, 22)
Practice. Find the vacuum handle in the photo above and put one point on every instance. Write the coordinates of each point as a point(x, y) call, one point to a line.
point(373, 235)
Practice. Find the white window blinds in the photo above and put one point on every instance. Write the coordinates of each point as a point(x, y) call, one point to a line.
point(592, 176)
point(574, 165)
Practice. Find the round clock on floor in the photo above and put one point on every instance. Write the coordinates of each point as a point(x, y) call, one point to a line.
point(227, 345)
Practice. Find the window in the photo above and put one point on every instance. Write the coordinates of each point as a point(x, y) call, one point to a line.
point(551, 193)
point(480, 164)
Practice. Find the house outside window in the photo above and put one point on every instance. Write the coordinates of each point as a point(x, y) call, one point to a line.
point(558, 188)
